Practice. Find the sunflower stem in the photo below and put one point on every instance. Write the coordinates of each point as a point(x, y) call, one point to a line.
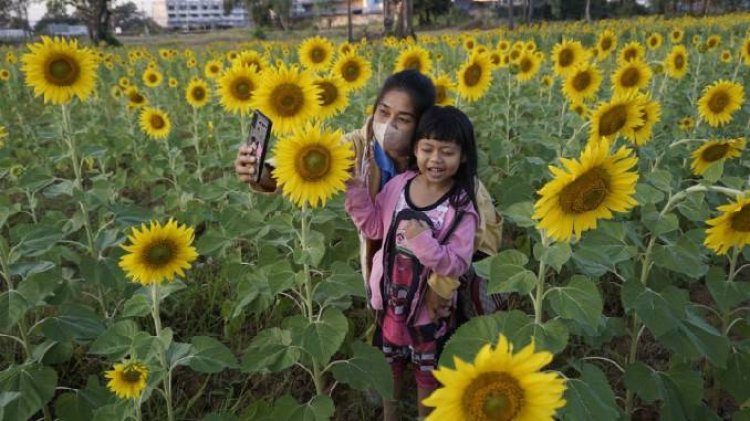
point(539, 299)
point(317, 376)
point(196, 145)
point(67, 136)
point(137, 405)
point(162, 354)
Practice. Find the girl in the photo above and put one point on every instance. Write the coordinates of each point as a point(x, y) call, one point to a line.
point(427, 220)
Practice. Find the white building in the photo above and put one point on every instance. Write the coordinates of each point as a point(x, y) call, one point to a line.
point(188, 14)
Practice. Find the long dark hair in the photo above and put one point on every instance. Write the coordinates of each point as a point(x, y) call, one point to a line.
point(449, 124)
point(419, 87)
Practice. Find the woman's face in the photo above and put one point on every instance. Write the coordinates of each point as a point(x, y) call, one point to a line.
point(397, 112)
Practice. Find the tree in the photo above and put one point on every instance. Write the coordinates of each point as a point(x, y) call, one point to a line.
point(95, 14)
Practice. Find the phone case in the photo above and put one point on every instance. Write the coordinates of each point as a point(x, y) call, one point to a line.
point(260, 135)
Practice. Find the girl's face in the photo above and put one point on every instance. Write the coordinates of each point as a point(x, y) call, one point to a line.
point(438, 160)
point(396, 111)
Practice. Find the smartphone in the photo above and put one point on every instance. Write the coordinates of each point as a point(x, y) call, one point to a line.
point(260, 135)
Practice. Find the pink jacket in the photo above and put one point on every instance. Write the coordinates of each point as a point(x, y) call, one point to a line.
point(373, 219)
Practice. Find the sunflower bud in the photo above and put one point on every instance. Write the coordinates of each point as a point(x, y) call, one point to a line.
point(659, 68)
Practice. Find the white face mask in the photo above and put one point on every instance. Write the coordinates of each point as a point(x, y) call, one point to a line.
point(391, 139)
point(378, 130)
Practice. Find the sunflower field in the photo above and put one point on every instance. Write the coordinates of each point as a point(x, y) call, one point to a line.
point(140, 279)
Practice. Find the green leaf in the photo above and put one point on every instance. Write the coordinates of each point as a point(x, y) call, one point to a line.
point(579, 300)
point(320, 338)
point(660, 312)
point(505, 272)
point(136, 306)
point(646, 194)
point(320, 408)
point(36, 384)
point(116, 341)
point(479, 331)
point(589, 397)
point(520, 214)
point(316, 249)
point(735, 379)
point(365, 370)
point(38, 240)
point(639, 378)
point(76, 322)
point(661, 179)
point(12, 308)
point(550, 336)
point(344, 281)
point(555, 255)
point(727, 294)
point(270, 350)
point(71, 407)
point(38, 287)
point(714, 172)
point(660, 224)
point(683, 257)
point(210, 356)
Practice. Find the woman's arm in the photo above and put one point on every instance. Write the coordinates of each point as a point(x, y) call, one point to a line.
point(452, 258)
point(366, 214)
point(244, 167)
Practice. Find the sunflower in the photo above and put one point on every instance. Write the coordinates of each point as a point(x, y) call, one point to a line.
point(620, 115)
point(444, 85)
point(498, 385)
point(250, 58)
point(312, 165)
point(316, 53)
point(586, 190)
point(580, 108)
point(155, 123)
point(631, 51)
point(528, 64)
point(213, 69)
point(59, 70)
point(548, 81)
point(719, 101)
point(745, 53)
point(605, 44)
point(197, 93)
point(469, 43)
point(474, 77)
point(127, 380)
point(713, 41)
point(115, 92)
point(152, 78)
point(158, 253)
point(714, 151)
point(650, 115)
point(726, 56)
point(414, 57)
point(124, 82)
point(288, 97)
point(631, 77)
point(676, 63)
point(237, 87)
point(655, 41)
point(332, 96)
point(135, 98)
point(566, 55)
point(3, 135)
point(582, 83)
point(503, 45)
point(731, 228)
point(676, 35)
point(686, 123)
point(4, 74)
point(355, 70)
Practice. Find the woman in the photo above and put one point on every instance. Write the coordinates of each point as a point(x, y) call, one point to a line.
point(382, 149)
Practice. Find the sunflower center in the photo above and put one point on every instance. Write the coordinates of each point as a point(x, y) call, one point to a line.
point(715, 152)
point(581, 81)
point(440, 94)
point(526, 65)
point(199, 93)
point(350, 71)
point(493, 397)
point(565, 58)
point(63, 71)
point(152, 78)
point(654, 41)
point(214, 69)
point(137, 98)
point(718, 102)
point(630, 54)
point(313, 162)
point(317, 55)
point(741, 220)
point(157, 122)
point(630, 77)
point(160, 253)
point(131, 374)
point(242, 89)
point(288, 99)
point(613, 120)
point(472, 74)
point(327, 93)
point(495, 59)
point(586, 193)
point(606, 44)
point(413, 63)
point(679, 61)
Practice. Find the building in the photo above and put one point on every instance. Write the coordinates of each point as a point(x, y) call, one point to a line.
point(306, 8)
point(194, 14)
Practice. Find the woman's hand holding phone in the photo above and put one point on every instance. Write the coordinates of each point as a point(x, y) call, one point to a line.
point(244, 164)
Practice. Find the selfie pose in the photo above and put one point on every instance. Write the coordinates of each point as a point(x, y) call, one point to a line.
point(427, 219)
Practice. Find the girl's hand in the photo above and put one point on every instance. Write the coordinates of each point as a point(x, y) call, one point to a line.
point(414, 227)
point(244, 164)
point(437, 306)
